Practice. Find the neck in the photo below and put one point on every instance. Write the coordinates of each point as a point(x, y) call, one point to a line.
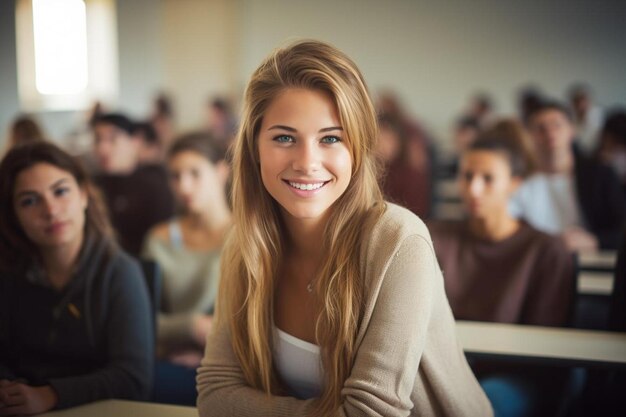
point(557, 163)
point(217, 217)
point(495, 227)
point(59, 262)
point(305, 238)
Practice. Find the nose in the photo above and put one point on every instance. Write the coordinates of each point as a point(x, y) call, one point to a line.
point(50, 207)
point(475, 187)
point(307, 157)
point(184, 184)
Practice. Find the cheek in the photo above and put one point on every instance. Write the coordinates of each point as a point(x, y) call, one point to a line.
point(26, 221)
point(341, 163)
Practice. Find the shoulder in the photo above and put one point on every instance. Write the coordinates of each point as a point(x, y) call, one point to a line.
point(445, 229)
point(390, 231)
point(397, 222)
point(547, 245)
point(160, 232)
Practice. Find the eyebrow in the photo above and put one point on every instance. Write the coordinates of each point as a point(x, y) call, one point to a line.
point(29, 192)
point(291, 129)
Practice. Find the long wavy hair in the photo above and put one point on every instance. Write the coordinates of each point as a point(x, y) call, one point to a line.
point(17, 251)
point(256, 245)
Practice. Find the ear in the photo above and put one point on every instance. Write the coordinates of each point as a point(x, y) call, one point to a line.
point(516, 181)
point(223, 171)
point(84, 198)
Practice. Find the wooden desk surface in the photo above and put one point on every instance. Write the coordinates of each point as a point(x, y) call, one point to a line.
point(598, 260)
point(123, 408)
point(595, 283)
point(570, 347)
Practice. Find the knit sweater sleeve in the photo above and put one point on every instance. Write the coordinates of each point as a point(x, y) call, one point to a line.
point(386, 363)
point(127, 371)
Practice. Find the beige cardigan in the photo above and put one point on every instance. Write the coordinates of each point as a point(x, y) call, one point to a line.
point(408, 363)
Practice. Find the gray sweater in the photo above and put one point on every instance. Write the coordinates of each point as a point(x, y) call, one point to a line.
point(91, 340)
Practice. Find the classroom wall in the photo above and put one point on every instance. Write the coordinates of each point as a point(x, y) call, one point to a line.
point(434, 53)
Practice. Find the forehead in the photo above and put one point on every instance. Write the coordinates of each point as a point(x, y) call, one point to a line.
point(40, 177)
point(189, 158)
point(550, 115)
point(303, 107)
point(108, 130)
point(488, 160)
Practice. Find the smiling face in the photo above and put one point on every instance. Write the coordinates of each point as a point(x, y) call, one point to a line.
point(486, 183)
point(196, 182)
point(50, 206)
point(305, 162)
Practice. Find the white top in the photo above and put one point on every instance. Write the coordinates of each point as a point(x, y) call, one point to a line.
point(298, 364)
point(547, 202)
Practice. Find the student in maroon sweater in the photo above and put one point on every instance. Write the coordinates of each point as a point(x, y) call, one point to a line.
point(497, 268)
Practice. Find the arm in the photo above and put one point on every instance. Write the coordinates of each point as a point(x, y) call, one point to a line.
point(129, 339)
point(386, 364)
point(551, 288)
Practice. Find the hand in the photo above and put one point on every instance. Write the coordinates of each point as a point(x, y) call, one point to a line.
point(200, 327)
point(578, 239)
point(189, 358)
point(17, 398)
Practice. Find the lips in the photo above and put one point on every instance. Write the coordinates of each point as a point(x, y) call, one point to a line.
point(55, 228)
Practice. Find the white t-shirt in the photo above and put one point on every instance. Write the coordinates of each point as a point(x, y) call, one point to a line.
point(548, 202)
point(299, 364)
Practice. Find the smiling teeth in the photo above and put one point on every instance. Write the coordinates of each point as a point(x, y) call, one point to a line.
point(306, 187)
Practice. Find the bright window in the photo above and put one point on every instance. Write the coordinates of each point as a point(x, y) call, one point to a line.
point(67, 53)
point(60, 30)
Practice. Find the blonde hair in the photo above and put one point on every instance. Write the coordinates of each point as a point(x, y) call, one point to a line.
point(249, 264)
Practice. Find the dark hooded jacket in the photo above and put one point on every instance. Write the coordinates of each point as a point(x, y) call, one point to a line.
point(91, 340)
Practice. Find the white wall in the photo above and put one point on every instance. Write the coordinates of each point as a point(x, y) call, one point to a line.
point(436, 54)
point(201, 44)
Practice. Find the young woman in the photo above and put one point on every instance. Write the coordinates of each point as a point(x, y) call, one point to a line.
point(497, 268)
point(75, 321)
point(187, 248)
point(331, 302)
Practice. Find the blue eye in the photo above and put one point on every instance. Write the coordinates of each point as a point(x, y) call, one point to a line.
point(283, 139)
point(331, 139)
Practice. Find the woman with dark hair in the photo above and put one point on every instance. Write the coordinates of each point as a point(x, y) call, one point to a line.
point(74, 310)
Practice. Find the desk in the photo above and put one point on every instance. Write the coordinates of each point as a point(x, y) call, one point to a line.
point(597, 261)
point(123, 408)
point(547, 345)
point(595, 283)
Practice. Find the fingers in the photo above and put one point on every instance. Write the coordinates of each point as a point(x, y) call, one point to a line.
point(14, 411)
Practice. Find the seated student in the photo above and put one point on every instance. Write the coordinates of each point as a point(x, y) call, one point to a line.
point(473, 253)
point(150, 148)
point(570, 195)
point(75, 321)
point(497, 268)
point(188, 247)
point(137, 197)
point(403, 181)
point(331, 300)
point(612, 150)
